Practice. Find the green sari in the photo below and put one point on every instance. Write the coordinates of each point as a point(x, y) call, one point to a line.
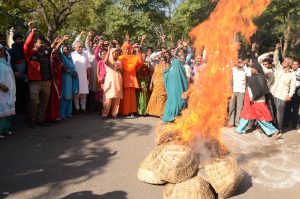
point(176, 84)
point(144, 78)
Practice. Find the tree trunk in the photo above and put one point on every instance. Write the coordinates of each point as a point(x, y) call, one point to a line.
point(57, 18)
point(287, 35)
point(50, 34)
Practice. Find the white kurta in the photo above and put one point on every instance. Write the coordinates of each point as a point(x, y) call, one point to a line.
point(93, 77)
point(82, 63)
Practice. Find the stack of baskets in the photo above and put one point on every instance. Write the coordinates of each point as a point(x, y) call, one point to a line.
point(176, 164)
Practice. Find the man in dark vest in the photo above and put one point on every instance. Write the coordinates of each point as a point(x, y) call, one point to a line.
point(37, 57)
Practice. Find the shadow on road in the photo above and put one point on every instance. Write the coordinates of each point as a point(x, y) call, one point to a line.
point(245, 184)
point(90, 195)
point(70, 150)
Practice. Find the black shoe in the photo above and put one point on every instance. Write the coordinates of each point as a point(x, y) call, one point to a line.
point(75, 112)
point(86, 112)
point(30, 125)
point(44, 124)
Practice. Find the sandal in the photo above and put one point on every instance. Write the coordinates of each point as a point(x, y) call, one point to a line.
point(10, 133)
point(104, 117)
point(276, 135)
point(2, 137)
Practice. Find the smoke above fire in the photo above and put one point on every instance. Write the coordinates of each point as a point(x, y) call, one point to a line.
point(208, 95)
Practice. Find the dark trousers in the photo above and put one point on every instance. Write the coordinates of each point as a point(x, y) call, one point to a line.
point(272, 108)
point(39, 96)
point(292, 110)
point(22, 95)
point(91, 101)
point(280, 108)
point(235, 107)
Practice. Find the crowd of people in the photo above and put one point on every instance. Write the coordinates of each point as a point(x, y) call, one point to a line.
point(265, 93)
point(51, 82)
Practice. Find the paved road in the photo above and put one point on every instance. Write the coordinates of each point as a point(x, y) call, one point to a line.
point(90, 158)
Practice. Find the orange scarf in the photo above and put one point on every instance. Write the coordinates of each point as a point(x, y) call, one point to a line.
point(130, 62)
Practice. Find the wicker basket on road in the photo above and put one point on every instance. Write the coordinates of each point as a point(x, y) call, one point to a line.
point(174, 163)
point(145, 172)
point(224, 175)
point(194, 188)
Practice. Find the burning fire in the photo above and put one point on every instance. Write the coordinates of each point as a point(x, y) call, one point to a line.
point(208, 96)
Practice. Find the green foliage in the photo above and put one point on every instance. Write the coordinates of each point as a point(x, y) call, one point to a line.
point(189, 14)
point(115, 18)
point(273, 26)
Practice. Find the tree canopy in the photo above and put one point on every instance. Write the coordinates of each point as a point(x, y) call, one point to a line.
point(115, 18)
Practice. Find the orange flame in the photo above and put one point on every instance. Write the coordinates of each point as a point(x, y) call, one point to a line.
point(208, 96)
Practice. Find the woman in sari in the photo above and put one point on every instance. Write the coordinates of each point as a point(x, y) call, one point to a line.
point(176, 84)
point(158, 97)
point(144, 77)
point(7, 94)
point(113, 91)
point(70, 83)
point(255, 107)
point(131, 64)
point(53, 108)
point(100, 54)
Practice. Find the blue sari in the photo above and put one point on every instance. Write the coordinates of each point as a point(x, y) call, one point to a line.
point(176, 84)
point(70, 85)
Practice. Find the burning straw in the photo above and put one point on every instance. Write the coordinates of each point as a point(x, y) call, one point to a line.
point(208, 96)
point(194, 141)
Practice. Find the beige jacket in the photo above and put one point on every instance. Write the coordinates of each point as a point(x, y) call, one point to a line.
point(284, 81)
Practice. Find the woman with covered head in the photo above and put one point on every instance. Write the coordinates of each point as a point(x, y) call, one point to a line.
point(70, 83)
point(131, 64)
point(176, 84)
point(158, 97)
point(7, 94)
point(53, 109)
point(113, 91)
point(255, 107)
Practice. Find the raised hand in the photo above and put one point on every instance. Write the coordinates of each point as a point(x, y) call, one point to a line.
point(30, 25)
point(65, 37)
point(163, 38)
point(33, 30)
point(253, 46)
point(82, 33)
point(127, 38)
point(57, 39)
point(109, 48)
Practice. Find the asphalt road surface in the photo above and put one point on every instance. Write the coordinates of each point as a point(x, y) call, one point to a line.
point(90, 158)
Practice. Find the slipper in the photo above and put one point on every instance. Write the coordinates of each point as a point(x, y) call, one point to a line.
point(10, 133)
point(276, 135)
point(2, 137)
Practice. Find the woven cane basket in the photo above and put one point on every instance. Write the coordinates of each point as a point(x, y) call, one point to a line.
point(224, 175)
point(194, 188)
point(145, 172)
point(174, 163)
